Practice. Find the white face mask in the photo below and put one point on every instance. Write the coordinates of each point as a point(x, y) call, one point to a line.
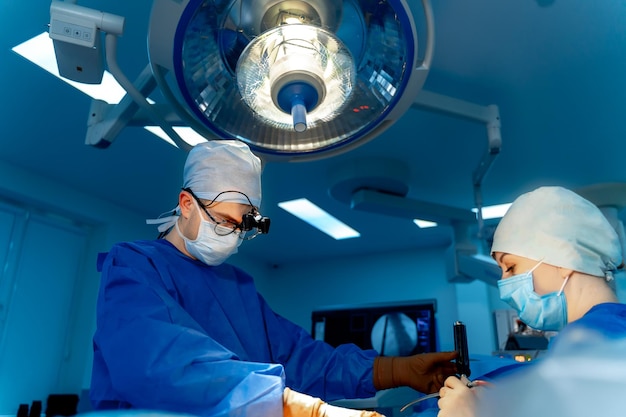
point(209, 247)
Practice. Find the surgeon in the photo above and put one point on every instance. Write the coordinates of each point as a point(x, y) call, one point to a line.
point(559, 255)
point(180, 330)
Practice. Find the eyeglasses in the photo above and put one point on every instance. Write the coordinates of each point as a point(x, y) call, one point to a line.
point(252, 223)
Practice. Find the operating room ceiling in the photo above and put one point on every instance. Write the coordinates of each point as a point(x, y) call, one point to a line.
point(556, 70)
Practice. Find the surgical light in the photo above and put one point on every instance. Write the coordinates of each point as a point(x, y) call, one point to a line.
point(293, 79)
point(295, 75)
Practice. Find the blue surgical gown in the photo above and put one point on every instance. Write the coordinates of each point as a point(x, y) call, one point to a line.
point(177, 335)
point(606, 320)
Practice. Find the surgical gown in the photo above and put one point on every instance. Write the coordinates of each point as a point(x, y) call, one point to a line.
point(606, 320)
point(177, 335)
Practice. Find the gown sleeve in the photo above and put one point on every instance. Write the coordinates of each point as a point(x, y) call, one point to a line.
point(315, 367)
point(157, 357)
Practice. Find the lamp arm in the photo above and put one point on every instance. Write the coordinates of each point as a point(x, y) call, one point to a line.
point(115, 70)
point(158, 72)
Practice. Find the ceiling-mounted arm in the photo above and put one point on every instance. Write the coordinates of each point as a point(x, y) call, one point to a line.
point(106, 121)
point(489, 115)
point(76, 33)
point(494, 144)
point(468, 262)
point(135, 94)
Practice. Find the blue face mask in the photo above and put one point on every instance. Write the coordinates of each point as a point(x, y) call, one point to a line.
point(542, 312)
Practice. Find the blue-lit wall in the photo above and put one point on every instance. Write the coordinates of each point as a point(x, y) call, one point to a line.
point(296, 290)
point(293, 290)
point(107, 224)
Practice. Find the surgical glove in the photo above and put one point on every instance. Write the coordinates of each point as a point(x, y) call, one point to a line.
point(457, 399)
point(296, 404)
point(424, 372)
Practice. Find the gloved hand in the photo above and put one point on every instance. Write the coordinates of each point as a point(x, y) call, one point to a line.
point(457, 399)
point(296, 404)
point(424, 372)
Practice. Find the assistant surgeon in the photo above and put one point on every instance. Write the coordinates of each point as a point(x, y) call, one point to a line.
point(559, 255)
point(179, 330)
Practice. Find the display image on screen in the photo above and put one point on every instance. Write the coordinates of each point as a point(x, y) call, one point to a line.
point(392, 329)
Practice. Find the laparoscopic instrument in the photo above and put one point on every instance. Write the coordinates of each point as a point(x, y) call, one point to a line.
point(462, 362)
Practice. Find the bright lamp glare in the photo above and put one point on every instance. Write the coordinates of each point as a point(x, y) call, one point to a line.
point(301, 54)
point(40, 51)
point(318, 218)
point(424, 224)
point(494, 212)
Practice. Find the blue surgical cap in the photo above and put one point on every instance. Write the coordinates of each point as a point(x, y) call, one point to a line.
point(223, 165)
point(561, 228)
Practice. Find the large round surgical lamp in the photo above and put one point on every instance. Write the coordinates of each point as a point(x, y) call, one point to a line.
point(293, 79)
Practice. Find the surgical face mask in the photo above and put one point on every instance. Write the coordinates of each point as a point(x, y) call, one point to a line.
point(209, 247)
point(542, 312)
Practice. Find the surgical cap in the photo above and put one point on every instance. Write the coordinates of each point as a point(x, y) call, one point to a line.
point(561, 228)
point(223, 165)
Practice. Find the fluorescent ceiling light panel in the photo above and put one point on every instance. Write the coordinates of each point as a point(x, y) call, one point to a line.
point(40, 51)
point(494, 212)
point(424, 224)
point(186, 133)
point(318, 218)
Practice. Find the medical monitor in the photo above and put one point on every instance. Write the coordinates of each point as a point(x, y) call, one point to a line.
point(392, 329)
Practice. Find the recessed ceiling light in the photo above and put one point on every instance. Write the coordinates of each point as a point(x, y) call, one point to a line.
point(318, 218)
point(40, 51)
point(494, 212)
point(186, 133)
point(424, 224)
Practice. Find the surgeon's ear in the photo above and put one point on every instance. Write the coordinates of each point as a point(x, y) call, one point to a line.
point(185, 202)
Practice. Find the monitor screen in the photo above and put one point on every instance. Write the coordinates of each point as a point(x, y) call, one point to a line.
point(392, 329)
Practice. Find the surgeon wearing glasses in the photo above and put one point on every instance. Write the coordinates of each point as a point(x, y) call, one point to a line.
point(180, 330)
